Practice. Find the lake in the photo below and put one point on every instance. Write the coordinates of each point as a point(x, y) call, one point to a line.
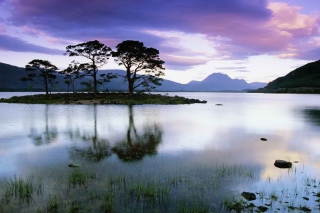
point(162, 158)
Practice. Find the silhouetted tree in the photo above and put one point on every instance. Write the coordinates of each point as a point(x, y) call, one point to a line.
point(74, 72)
point(96, 52)
point(135, 57)
point(105, 78)
point(43, 73)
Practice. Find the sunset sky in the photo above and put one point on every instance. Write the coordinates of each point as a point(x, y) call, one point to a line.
point(255, 40)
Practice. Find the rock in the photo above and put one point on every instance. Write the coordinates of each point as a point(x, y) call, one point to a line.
point(73, 165)
point(282, 164)
point(263, 139)
point(305, 209)
point(248, 195)
point(263, 208)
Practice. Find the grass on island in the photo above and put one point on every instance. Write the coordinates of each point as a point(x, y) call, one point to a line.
point(101, 98)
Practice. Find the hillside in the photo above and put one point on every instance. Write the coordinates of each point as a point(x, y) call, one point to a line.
point(10, 81)
point(305, 79)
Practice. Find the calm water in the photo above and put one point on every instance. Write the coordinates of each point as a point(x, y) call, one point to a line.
point(159, 141)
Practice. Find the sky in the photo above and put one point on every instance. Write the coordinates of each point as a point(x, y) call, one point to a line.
point(254, 40)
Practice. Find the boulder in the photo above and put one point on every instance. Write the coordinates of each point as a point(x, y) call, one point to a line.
point(263, 208)
point(248, 195)
point(282, 164)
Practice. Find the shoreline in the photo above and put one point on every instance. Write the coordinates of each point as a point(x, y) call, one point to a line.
point(101, 98)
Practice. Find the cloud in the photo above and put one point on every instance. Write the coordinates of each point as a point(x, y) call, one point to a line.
point(82, 18)
point(230, 68)
point(233, 29)
point(3, 28)
point(181, 63)
point(288, 19)
point(313, 54)
point(9, 43)
point(242, 71)
point(301, 30)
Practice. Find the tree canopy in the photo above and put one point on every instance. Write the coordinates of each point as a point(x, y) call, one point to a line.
point(143, 65)
point(96, 52)
point(43, 73)
point(73, 72)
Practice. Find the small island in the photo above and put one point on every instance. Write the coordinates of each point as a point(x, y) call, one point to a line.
point(100, 98)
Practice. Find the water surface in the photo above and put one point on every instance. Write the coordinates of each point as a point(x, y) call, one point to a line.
point(165, 141)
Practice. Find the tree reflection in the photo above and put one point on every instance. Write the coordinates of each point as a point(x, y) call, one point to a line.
point(46, 137)
point(137, 145)
point(312, 115)
point(100, 148)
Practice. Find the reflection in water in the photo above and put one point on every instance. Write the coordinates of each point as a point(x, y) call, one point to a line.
point(312, 115)
point(216, 150)
point(49, 135)
point(100, 147)
point(137, 145)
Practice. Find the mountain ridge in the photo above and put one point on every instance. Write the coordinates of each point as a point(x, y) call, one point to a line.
point(11, 75)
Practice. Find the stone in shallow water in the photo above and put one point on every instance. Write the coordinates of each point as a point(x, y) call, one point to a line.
point(263, 208)
point(248, 195)
point(73, 165)
point(282, 164)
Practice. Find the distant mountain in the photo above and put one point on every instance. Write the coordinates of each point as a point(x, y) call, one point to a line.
point(10, 81)
point(222, 82)
point(305, 79)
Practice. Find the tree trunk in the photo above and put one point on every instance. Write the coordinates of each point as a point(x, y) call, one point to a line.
point(130, 81)
point(46, 85)
point(131, 86)
point(95, 90)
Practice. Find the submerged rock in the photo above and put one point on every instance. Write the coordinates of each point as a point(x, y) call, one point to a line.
point(305, 209)
point(73, 165)
point(282, 164)
point(249, 196)
point(263, 208)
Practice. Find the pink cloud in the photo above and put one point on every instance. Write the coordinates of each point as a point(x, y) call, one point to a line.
point(32, 31)
point(248, 27)
point(3, 28)
point(182, 62)
point(289, 19)
point(283, 33)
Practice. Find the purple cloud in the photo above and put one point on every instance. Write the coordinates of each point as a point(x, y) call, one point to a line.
point(82, 18)
point(230, 68)
point(247, 27)
point(17, 45)
point(313, 54)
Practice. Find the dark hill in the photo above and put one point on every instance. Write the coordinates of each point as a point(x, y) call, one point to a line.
point(305, 79)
